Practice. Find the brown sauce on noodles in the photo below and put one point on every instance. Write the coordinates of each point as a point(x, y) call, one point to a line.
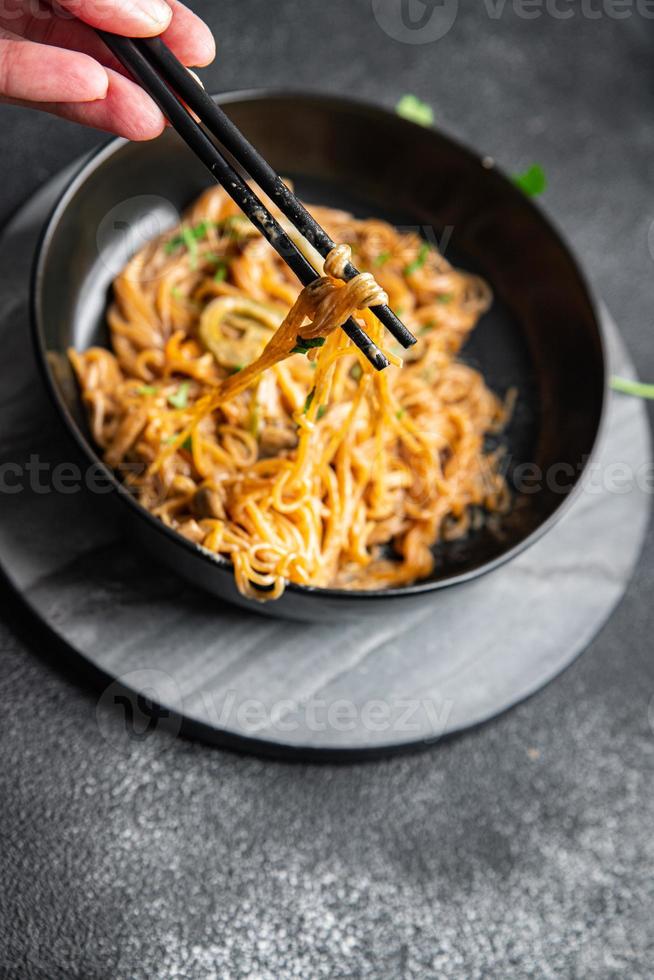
point(241, 416)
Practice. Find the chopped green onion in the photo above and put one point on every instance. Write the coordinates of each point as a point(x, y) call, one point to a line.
point(236, 368)
point(187, 444)
point(303, 345)
point(189, 237)
point(401, 412)
point(221, 271)
point(427, 327)
point(532, 182)
point(412, 108)
point(418, 262)
point(444, 298)
point(180, 398)
point(321, 411)
point(169, 440)
point(356, 371)
point(147, 390)
point(191, 246)
point(307, 404)
point(201, 230)
point(638, 389)
point(382, 258)
point(175, 292)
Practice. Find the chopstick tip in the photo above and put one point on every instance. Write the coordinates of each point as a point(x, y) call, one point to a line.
point(377, 357)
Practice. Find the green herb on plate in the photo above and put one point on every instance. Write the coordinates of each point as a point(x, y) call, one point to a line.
point(412, 108)
point(532, 182)
point(626, 386)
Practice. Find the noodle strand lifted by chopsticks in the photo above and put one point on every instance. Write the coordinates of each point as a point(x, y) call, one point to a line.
point(240, 415)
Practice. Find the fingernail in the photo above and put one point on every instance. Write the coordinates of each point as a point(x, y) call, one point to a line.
point(157, 12)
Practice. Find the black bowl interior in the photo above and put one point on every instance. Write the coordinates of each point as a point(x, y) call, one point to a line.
point(542, 334)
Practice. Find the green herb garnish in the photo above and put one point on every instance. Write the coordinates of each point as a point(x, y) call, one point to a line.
point(532, 182)
point(427, 327)
point(201, 230)
point(412, 108)
point(307, 404)
point(321, 411)
point(221, 271)
point(382, 258)
point(191, 246)
point(189, 237)
point(236, 368)
point(638, 389)
point(169, 440)
point(444, 298)
point(418, 262)
point(180, 398)
point(187, 445)
point(356, 371)
point(401, 412)
point(303, 345)
point(173, 244)
point(147, 390)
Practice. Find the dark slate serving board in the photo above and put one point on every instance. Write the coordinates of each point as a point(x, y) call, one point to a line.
point(283, 687)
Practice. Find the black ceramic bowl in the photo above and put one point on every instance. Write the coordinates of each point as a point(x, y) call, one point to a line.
point(542, 334)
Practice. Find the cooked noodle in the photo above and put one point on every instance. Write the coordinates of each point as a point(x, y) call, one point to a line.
point(307, 467)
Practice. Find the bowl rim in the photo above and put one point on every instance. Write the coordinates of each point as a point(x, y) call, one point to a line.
point(90, 162)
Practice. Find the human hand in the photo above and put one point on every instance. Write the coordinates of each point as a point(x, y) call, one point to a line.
point(52, 59)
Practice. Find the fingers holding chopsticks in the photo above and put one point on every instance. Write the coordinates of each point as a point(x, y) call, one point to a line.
point(54, 61)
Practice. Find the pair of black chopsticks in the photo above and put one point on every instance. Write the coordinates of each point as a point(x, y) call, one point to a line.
point(168, 82)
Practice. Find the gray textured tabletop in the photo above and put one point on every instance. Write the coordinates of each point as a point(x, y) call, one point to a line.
point(522, 849)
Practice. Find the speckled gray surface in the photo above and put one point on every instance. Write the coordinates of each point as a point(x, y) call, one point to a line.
point(522, 849)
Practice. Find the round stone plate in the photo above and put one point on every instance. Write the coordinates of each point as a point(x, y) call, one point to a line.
point(312, 690)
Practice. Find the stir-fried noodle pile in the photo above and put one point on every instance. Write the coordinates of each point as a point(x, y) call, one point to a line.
point(241, 416)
